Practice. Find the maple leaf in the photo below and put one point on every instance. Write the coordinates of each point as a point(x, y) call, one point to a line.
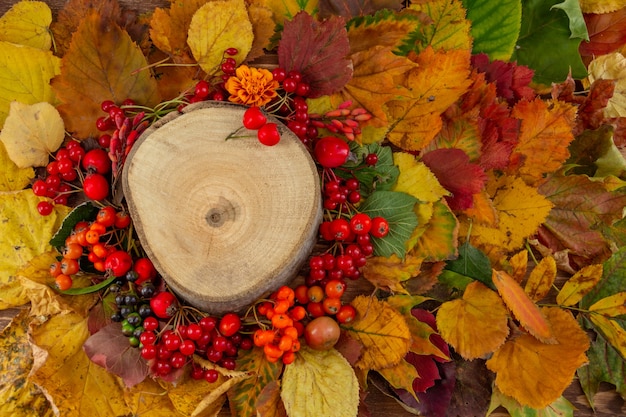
point(26, 74)
point(31, 133)
point(541, 278)
point(349, 9)
point(217, 26)
point(391, 272)
point(320, 383)
point(382, 331)
point(541, 382)
point(457, 175)
point(611, 67)
point(318, 50)
point(476, 324)
point(439, 79)
point(606, 33)
point(27, 23)
point(99, 66)
point(512, 80)
point(12, 177)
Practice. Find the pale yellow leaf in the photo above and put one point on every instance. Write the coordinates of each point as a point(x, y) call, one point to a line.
point(31, 133)
point(13, 178)
point(476, 324)
point(27, 23)
point(611, 67)
point(579, 285)
point(541, 279)
point(217, 26)
point(320, 383)
point(611, 306)
point(417, 179)
point(25, 73)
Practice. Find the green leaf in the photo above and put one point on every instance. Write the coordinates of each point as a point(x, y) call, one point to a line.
point(472, 263)
point(545, 44)
point(577, 25)
point(495, 26)
point(85, 211)
point(454, 279)
point(605, 365)
point(90, 289)
point(559, 408)
point(397, 208)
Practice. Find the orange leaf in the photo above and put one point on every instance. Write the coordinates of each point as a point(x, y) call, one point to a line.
point(524, 309)
point(391, 272)
point(476, 324)
point(401, 376)
point(541, 279)
point(534, 373)
point(579, 284)
point(439, 79)
point(168, 28)
point(519, 264)
point(545, 133)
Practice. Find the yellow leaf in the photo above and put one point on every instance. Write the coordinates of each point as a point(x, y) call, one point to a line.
point(320, 383)
point(25, 73)
point(217, 26)
point(74, 384)
point(448, 28)
point(19, 397)
point(31, 133)
point(611, 67)
point(25, 235)
point(381, 330)
point(438, 80)
point(401, 376)
point(439, 238)
point(601, 6)
point(12, 178)
point(476, 324)
point(525, 368)
point(27, 23)
point(521, 210)
point(417, 179)
point(611, 306)
point(519, 264)
point(169, 28)
point(286, 10)
point(391, 272)
point(541, 278)
point(545, 134)
point(579, 285)
point(524, 309)
point(149, 398)
point(261, 19)
point(612, 332)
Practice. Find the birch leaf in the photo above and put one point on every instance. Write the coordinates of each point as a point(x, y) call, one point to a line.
point(12, 178)
point(27, 23)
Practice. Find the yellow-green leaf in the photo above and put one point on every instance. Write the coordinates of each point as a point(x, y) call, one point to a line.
point(417, 179)
point(524, 309)
point(27, 23)
point(217, 26)
point(286, 10)
point(401, 376)
point(611, 306)
point(12, 178)
point(579, 284)
point(541, 279)
point(31, 133)
point(381, 330)
point(320, 383)
point(612, 332)
point(437, 240)
point(448, 28)
point(476, 324)
point(25, 73)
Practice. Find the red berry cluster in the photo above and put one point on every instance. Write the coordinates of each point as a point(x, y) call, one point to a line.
point(255, 119)
point(279, 338)
point(204, 90)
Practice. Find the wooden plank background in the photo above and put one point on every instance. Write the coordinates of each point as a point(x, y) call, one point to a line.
point(607, 402)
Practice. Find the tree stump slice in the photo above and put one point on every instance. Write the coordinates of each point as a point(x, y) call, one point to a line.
point(224, 221)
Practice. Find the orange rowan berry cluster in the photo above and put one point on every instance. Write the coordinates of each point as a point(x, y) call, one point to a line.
point(325, 300)
point(280, 341)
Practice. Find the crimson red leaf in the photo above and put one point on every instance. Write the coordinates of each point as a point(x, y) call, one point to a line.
point(607, 33)
point(318, 50)
point(499, 135)
point(512, 80)
point(457, 175)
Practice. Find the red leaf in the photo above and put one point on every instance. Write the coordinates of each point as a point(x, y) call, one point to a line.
point(318, 50)
point(607, 33)
point(512, 80)
point(499, 133)
point(457, 175)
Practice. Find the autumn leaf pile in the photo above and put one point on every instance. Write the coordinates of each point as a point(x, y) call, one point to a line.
point(507, 138)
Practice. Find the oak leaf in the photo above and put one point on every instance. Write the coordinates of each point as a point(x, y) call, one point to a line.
point(12, 177)
point(417, 179)
point(611, 67)
point(382, 331)
point(26, 73)
point(579, 285)
point(520, 211)
point(545, 134)
point(541, 278)
point(31, 133)
point(601, 6)
point(476, 324)
point(523, 308)
point(391, 272)
point(99, 66)
point(217, 26)
point(27, 23)
point(318, 50)
point(320, 383)
point(439, 79)
point(541, 383)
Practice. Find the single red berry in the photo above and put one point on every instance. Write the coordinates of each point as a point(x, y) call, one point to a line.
point(96, 186)
point(380, 227)
point(97, 160)
point(279, 74)
point(231, 51)
point(360, 224)
point(331, 152)
point(229, 324)
point(268, 134)
point(164, 305)
point(106, 105)
point(371, 159)
point(44, 208)
point(145, 270)
point(118, 262)
point(253, 118)
point(202, 89)
point(40, 188)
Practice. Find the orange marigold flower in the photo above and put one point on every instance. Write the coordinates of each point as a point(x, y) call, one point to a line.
point(251, 86)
